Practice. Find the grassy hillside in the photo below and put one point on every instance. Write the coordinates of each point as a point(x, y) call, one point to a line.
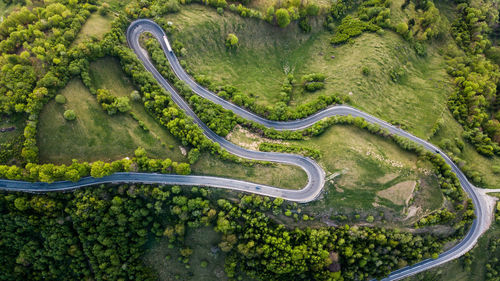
point(94, 135)
point(266, 53)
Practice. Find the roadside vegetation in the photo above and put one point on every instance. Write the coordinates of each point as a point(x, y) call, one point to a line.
point(265, 57)
point(74, 90)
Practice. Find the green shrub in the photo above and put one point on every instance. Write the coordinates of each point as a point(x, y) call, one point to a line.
point(351, 27)
point(231, 41)
point(282, 17)
point(60, 99)
point(365, 70)
point(69, 115)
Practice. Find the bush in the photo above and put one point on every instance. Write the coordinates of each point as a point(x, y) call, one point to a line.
point(282, 17)
point(397, 74)
point(60, 99)
point(135, 96)
point(402, 28)
point(69, 115)
point(365, 70)
point(231, 41)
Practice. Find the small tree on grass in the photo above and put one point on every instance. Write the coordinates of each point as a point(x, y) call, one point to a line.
point(231, 41)
point(135, 96)
point(60, 99)
point(69, 115)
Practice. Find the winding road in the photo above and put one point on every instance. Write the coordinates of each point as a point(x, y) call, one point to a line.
point(316, 175)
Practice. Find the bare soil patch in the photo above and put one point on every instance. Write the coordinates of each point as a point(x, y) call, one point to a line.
point(399, 193)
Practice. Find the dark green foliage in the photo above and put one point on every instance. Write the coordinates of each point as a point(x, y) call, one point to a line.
point(351, 27)
point(440, 217)
point(282, 17)
point(266, 250)
point(313, 153)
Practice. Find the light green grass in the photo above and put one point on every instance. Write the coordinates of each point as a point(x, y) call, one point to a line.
point(284, 176)
point(94, 135)
point(265, 52)
point(95, 27)
point(107, 73)
point(262, 5)
point(201, 240)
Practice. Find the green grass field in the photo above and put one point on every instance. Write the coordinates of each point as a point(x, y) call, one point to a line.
point(366, 165)
point(95, 27)
point(284, 176)
point(266, 53)
point(94, 135)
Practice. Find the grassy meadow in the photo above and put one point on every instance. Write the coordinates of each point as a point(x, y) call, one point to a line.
point(359, 168)
point(94, 135)
point(95, 27)
point(266, 53)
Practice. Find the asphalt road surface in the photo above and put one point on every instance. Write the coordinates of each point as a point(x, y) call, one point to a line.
point(316, 175)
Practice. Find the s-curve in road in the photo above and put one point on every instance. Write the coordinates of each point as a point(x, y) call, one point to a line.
point(316, 175)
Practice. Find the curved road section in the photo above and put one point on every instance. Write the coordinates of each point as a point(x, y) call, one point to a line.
point(315, 173)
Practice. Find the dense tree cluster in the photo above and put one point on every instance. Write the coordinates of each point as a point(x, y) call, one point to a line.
point(101, 232)
point(441, 216)
point(475, 104)
point(269, 251)
point(112, 104)
point(371, 16)
point(426, 24)
point(289, 148)
point(351, 27)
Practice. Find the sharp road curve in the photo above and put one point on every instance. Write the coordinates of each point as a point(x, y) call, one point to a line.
point(316, 175)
